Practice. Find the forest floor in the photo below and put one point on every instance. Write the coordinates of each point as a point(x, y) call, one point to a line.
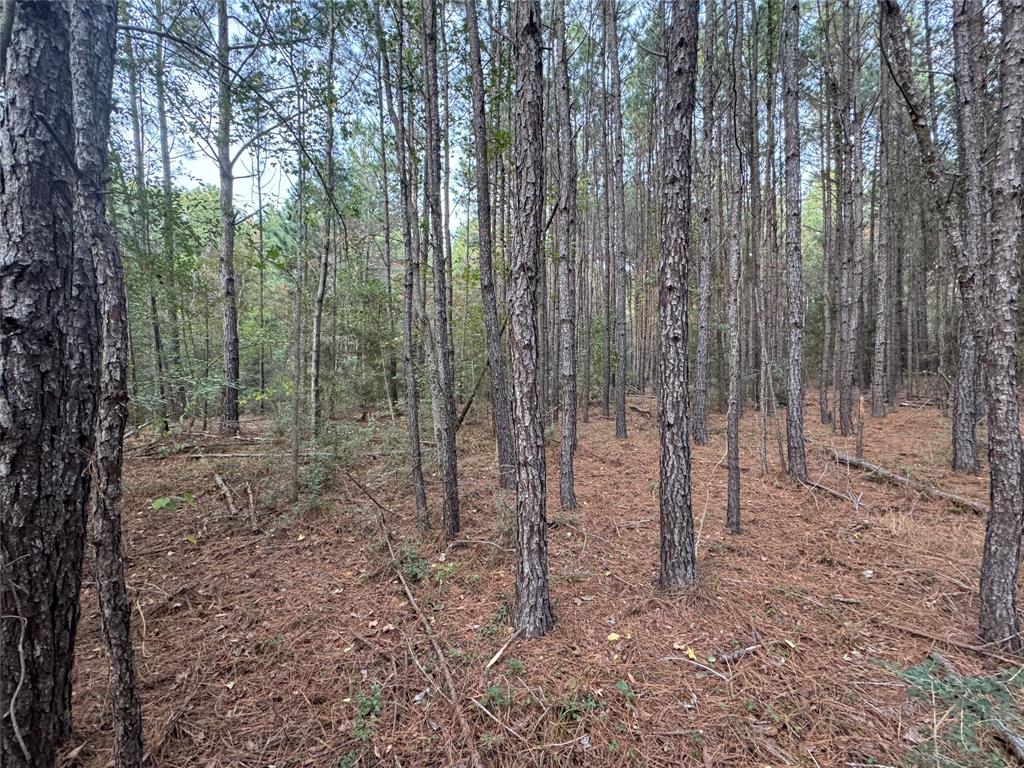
point(807, 642)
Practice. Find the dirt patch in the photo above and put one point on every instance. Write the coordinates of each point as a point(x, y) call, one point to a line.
point(296, 646)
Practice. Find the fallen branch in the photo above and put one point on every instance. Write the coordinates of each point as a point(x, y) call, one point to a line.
point(705, 667)
point(495, 657)
point(252, 508)
point(930, 490)
point(227, 495)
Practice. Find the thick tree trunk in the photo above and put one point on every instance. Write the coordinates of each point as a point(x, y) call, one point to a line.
point(501, 415)
point(229, 394)
point(532, 613)
point(1000, 564)
point(49, 344)
point(444, 410)
point(678, 556)
point(791, 108)
point(93, 28)
point(566, 259)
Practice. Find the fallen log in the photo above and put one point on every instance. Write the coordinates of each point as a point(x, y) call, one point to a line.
point(930, 490)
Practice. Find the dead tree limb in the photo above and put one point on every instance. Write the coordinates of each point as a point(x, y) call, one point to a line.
point(892, 477)
point(227, 495)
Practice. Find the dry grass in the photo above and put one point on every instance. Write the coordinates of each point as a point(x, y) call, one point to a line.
point(299, 648)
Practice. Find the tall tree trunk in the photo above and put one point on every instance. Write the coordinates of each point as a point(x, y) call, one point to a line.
point(501, 415)
point(1000, 564)
point(968, 74)
point(179, 396)
point(735, 171)
point(618, 217)
point(566, 258)
point(532, 613)
point(325, 259)
point(143, 224)
point(791, 107)
point(49, 344)
point(299, 280)
point(878, 369)
point(445, 408)
point(225, 163)
point(999, 284)
point(708, 88)
point(678, 556)
point(93, 35)
point(396, 109)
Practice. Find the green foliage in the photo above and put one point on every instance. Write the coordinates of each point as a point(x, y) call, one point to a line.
point(968, 711)
point(498, 620)
point(414, 567)
point(172, 502)
point(498, 697)
point(367, 712)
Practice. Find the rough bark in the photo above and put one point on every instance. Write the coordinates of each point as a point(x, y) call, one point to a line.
point(678, 557)
point(1000, 620)
point(968, 75)
point(49, 344)
point(501, 415)
point(878, 368)
point(93, 30)
point(532, 613)
point(791, 108)
point(735, 170)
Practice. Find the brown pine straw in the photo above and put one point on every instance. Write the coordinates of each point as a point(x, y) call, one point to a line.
point(258, 648)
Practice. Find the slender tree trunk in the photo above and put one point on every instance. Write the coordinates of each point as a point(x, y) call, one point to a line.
point(179, 395)
point(325, 263)
point(445, 408)
point(678, 556)
point(229, 396)
point(93, 34)
point(618, 217)
point(396, 109)
point(501, 414)
point(566, 258)
point(299, 279)
point(143, 224)
point(532, 613)
point(878, 370)
point(735, 171)
point(708, 89)
point(50, 347)
point(794, 258)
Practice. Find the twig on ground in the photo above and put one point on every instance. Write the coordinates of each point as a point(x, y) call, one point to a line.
point(495, 657)
point(224, 489)
point(695, 663)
